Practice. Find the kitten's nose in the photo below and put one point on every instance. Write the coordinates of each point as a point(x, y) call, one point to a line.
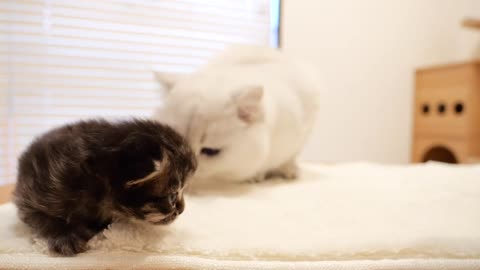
point(180, 206)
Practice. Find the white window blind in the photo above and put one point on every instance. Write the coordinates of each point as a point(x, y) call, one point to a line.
point(64, 60)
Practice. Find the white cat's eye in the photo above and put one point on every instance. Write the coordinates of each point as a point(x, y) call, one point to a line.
point(210, 152)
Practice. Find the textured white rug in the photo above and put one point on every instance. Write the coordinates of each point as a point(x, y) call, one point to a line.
point(355, 216)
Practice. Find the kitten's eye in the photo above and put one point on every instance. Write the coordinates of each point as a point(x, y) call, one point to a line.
point(172, 198)
point(210, 152)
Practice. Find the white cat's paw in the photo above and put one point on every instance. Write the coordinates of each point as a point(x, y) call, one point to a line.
point(287, 171)
point(260, 177)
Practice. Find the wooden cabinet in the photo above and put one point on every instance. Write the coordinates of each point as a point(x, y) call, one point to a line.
point(447, 113)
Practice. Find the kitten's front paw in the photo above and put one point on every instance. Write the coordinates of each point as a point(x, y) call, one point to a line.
point(287, 171)
point(67, 245)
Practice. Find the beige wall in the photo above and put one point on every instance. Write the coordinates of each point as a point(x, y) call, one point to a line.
point(366, 52)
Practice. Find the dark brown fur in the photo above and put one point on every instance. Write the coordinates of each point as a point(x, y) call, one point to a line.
point(72, 181)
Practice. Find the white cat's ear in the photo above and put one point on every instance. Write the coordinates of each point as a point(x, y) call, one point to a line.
point(167, 79)
point(249, 103)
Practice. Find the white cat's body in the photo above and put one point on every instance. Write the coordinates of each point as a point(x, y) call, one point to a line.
point(253, 104)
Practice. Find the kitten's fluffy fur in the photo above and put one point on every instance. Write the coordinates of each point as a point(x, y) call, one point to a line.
point(247, 114)
point(74, 180)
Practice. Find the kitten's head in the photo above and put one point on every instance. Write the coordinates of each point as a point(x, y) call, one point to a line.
point(223, 122)
point(154, 168)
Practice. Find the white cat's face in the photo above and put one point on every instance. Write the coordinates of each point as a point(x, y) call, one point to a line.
point(226, 129)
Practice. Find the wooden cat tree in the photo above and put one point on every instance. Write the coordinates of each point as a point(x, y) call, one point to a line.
point(447, 112)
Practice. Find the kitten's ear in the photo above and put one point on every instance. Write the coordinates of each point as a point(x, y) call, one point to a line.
point(160, 172)
point(137, 182)
point(249, 103)
point(167, 79)
point(135, 141)
point(136, 145)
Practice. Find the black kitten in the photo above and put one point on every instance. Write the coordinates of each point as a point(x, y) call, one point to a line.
point(74, 180)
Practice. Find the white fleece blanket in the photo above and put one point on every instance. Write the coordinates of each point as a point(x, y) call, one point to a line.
point(355, 216)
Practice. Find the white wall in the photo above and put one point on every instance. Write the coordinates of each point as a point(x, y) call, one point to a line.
point(366, 52)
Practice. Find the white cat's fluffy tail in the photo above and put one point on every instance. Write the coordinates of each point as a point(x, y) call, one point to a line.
point(305, 75)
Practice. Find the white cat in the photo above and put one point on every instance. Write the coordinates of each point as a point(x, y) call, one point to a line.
point(247, 114)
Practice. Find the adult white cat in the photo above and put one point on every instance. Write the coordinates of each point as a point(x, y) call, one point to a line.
point(247, 114)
